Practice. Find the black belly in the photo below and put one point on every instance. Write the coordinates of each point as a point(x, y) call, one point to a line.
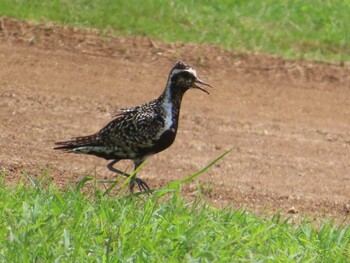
point(165, 140)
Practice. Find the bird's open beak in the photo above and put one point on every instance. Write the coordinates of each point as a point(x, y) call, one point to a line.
point(199, 81)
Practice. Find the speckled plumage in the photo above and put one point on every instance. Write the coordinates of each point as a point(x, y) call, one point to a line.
point(138, 132)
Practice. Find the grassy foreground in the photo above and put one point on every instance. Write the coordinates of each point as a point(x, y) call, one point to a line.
point(311, 29)
point(41, 223)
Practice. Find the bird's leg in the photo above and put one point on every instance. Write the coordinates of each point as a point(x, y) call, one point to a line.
point(141, 184)
point(115, 170)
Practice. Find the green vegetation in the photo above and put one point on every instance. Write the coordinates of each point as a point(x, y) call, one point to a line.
point(86, 223)
point(311, 29)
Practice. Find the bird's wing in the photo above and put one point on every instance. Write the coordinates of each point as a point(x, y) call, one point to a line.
point(133, 127)
point(122, 111)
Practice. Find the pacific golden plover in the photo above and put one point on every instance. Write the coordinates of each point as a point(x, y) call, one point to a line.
point(141, 131)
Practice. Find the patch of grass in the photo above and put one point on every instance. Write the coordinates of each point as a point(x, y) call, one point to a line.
point(41, 223)
point(317, 30)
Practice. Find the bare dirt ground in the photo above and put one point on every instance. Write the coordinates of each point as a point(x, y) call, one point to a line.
point(288, 122)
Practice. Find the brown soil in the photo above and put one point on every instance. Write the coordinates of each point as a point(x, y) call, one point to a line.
point(288, 122)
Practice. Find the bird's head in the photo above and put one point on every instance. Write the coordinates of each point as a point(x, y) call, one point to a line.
point(184, 77)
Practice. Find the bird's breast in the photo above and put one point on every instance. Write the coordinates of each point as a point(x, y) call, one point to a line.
point(165, 140)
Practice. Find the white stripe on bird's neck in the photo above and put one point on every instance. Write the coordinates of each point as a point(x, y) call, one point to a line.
point(168, 109)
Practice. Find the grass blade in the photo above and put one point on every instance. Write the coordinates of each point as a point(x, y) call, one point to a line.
point(82, 182)
point(175, 186)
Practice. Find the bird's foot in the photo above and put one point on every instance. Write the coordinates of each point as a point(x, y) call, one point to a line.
point(140, 183)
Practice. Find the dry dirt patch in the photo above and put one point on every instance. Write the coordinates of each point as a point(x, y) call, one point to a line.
point(288, 122)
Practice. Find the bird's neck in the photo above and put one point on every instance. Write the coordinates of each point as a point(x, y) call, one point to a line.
point(172, 96)
point(171, 101)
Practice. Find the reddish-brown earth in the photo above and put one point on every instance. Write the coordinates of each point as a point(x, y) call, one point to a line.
point(287, 122)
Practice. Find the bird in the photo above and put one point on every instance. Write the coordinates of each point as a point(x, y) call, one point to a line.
point(136, 133)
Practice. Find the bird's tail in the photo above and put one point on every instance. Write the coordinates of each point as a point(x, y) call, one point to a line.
point(78, 143)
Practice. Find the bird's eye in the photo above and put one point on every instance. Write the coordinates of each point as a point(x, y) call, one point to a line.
point(187, 75)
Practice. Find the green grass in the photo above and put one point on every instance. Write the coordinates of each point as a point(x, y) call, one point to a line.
point(41, 223)
point(310, 29)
